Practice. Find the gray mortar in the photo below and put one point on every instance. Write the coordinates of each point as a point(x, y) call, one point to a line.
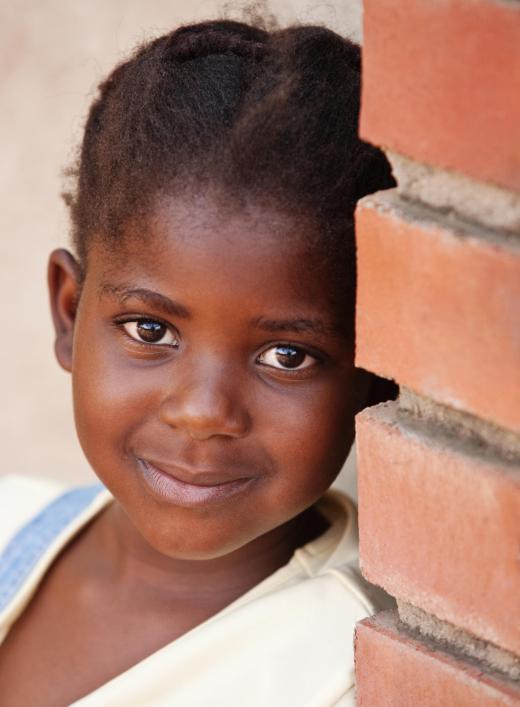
point(426, 217)
point(482, 436)
point(459, 641)
point(457, 195)
point(442, 436)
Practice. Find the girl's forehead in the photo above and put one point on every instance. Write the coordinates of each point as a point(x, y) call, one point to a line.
point(249, 262)
point(199, 231)
point(215, 217)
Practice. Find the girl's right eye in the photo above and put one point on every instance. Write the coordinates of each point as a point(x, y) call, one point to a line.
point(150, 331)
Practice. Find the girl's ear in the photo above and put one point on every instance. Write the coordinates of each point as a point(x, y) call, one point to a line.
point(63, 277)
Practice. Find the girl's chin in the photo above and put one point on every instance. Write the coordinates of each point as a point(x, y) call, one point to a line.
point(189, 539)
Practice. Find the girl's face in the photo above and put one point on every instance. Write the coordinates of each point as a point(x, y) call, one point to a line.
point(214, 385)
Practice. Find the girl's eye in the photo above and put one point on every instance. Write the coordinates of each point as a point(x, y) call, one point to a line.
point(150, 331)
point(285, 356)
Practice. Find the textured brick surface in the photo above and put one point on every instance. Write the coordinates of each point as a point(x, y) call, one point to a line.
point(440, 525)
point(438, 309)
point(395, 670)
point(440, 83)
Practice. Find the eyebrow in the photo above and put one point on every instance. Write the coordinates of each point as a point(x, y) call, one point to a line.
point(153, 299)
point(164, 304)
point(296, 326)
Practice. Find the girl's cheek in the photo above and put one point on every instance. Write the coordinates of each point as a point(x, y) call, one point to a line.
point(315, 429)
point(107, 396)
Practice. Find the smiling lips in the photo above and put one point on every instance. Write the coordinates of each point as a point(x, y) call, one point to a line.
point(189, 489)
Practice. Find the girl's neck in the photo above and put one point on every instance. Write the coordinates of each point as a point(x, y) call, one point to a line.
point(136, 569)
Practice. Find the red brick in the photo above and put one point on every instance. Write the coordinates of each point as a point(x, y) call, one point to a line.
point(439, 525)
point(439, 310)
point(441, 83)
point(394, 669)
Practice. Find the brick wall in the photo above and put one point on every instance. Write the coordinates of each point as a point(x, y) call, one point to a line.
point(439, 312)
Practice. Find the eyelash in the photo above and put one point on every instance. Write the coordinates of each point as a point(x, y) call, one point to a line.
point(167, 330)
point(300, 349)
point(121, 325)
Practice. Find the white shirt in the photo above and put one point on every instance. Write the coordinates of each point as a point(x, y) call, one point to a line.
point(288, 642)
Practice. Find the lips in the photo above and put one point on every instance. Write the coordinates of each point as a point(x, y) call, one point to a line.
point(190, 487)
point(198, 477)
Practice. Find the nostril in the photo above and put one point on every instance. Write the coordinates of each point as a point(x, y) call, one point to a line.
point(203, 413)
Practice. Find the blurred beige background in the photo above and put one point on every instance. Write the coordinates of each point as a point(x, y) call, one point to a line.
point(53, 53)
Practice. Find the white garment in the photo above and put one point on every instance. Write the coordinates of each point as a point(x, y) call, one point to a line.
point(288, 642)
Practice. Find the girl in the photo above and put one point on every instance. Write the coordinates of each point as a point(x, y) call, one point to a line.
point(207, 321)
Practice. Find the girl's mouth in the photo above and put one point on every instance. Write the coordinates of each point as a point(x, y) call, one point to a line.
point(201, 490)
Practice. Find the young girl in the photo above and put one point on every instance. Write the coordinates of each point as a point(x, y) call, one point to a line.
point(207, 321)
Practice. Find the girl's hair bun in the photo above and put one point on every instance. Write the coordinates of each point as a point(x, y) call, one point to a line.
point(224, 37)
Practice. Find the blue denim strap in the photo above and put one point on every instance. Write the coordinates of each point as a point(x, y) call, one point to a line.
point(25, 549)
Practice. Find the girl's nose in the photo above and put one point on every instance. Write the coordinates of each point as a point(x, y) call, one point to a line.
point(206, 405)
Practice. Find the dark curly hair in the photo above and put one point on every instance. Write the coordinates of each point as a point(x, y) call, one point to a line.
point(222, 103)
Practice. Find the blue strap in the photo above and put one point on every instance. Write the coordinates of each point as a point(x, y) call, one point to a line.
point(24, 550)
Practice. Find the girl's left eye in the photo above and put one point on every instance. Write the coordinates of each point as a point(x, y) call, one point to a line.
point(286, 357)
point(150, 331)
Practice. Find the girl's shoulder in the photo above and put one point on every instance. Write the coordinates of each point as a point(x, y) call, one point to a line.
point(37, 519)
point(21, 498)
